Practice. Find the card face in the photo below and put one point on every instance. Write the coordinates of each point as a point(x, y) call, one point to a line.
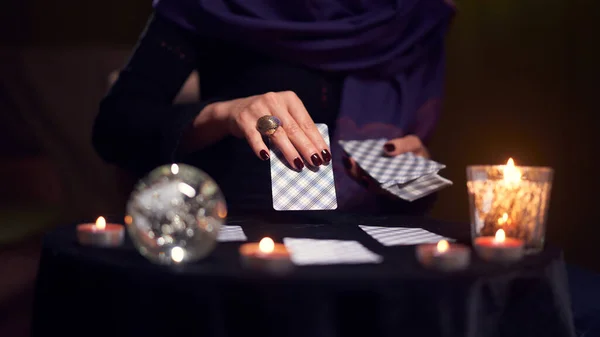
point(309, 189)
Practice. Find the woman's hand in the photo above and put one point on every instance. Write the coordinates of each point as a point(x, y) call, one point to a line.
point(297, 137)
point(405, 144)
point(391, 148)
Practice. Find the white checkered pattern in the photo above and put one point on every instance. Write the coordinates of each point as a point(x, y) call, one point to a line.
point(397, 236)
point(230, 233)
point(324, 252)
point(306, 190)
point(407, 176)
point(419, 187)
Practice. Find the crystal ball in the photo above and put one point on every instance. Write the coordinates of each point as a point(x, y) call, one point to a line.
point(175, 213)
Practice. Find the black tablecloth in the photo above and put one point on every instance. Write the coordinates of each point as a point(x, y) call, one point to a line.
point(84, 291)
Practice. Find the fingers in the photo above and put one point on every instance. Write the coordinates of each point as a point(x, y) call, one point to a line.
point(259, 108)
point(297, 138)
point(247, 124)
point(405, 144)
point(305, 123)
point(292, 131)
point(283, 143)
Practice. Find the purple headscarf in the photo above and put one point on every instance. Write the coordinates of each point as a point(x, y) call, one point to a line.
point(390, 50)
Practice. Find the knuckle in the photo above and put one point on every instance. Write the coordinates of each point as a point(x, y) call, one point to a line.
point(270, 98)
point(290, 95)
point(242, 116)
point(308, 126)
point(256, 106)
point(293, 128)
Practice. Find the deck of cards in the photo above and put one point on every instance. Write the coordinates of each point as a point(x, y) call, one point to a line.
point(407, 176)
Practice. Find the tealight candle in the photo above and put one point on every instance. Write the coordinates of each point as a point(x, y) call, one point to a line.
point(499, 248)
point(100, 234)
point(266, 255)
point(444, 256)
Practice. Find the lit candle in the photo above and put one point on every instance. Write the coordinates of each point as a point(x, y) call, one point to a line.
point(499, 248)
point(100, 234)
point(512, 198)
point(266, 255)
point(444, 256)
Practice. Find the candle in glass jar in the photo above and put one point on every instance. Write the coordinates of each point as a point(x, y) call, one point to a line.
point(266, 255)
point(499, 248)
point(512, 198)
point(100, 234)
point(444, 256)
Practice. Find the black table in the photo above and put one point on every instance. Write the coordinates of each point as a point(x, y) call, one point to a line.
point(84, 291)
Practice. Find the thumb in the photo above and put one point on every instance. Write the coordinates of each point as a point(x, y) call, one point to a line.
point(394, 147)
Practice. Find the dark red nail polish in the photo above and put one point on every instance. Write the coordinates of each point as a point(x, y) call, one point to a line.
point(347, 163)
point(389, 147)
point(299, 164)
point(326, 156)
point(264, 155)
point(364, 181)
point(316, 160)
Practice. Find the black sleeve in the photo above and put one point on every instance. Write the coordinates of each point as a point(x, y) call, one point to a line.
point(138, 127)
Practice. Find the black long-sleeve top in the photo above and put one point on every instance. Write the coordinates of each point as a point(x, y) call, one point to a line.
point(138, 126)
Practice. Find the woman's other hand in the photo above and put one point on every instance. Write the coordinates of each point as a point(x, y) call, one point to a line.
point(405, 144)
point(297, 137)
point(391, 148)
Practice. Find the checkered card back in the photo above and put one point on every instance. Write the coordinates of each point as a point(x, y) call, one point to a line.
point(309, 189)
point(388, 171)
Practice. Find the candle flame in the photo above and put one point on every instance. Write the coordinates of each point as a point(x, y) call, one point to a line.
point(266, 245)
point(511, 173)
point(503, 219)
point(442, 246)
point(174, 168)
point(100, 223)
point(500, 236)
point(177, 254)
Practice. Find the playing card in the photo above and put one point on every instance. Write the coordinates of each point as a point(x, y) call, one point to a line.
point(388, 171)
point(419, 187)
point(322, 252)
point(231, 233)
point(309, 189)
point(407, 176)
point(396, 236)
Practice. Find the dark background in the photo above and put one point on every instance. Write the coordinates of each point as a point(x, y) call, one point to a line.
point(522, 82)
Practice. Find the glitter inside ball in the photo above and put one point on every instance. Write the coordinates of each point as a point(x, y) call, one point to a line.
point(175, 213)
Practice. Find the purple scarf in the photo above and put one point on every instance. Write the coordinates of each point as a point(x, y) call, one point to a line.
point(391, 50)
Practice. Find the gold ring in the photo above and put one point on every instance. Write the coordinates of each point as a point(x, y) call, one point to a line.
point(267, 125)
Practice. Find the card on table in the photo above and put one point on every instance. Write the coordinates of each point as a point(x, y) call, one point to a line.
point(324, 252)
point(397, 236)
point(231, 233)
point(309, 189)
